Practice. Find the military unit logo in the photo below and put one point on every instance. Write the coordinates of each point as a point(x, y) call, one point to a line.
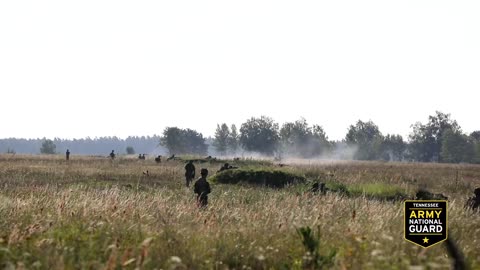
point(426, 222)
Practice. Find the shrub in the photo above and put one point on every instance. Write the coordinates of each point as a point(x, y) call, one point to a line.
point(337, 187)
point(48, 147)
point(258, 176)
point(130, 150)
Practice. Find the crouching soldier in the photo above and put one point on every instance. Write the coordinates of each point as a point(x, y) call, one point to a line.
point(202, 189)
point(318, 188)
point(474, 202)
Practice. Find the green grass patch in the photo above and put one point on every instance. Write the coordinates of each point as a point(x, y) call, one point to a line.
point(370, 190)
point(257, 176)
point(378, 190)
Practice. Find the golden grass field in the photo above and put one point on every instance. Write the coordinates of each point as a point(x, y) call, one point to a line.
point(91, 213)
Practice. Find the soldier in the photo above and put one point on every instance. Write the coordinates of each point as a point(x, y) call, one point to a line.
point(189, 172)
point(474, 202)
point(319, 187)
point(226, 166)
point(67, 154)
point(140, 156)
point(112, 155)
point(158, 159)
point(202, 189)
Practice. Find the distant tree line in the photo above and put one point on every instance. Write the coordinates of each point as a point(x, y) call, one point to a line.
point(87, 146)
point(440, 139)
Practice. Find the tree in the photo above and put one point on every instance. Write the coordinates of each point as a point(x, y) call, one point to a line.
point(221, 140)
point(172, 140)
point(299, 139)
point(194, 142)
point(475, 137)
point(367, 137)
point(233, 140)
point(426, 139)
point(393, 147)
point(48, 147)
point(476, 158)
point(183, 141)
point(456, 147)
point(130, 150)
point(259, 134)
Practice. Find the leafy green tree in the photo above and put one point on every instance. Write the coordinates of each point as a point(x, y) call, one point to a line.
point(233, 140)
point(172, 139)
point(299, 139)
point(456, 147)
point(260, 134)
point(475, 137)
point(393, 147)
point(221, 140)
point(426, 139)
point(183, 141)
point(194, 142)
point(130, 150)
point(48, 147)
point(476, 157)
point(367, 137)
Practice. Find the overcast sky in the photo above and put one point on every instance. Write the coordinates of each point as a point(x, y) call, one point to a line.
point(73, 69)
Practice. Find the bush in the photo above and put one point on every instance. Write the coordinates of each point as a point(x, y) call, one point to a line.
point(48, 147)
point(130, 150)
point(258, 176)
point(338, 187)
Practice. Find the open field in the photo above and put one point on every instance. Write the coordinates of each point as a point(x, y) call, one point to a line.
point(91, 213)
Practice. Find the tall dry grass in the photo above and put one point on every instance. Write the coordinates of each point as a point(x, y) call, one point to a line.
point(91, 213)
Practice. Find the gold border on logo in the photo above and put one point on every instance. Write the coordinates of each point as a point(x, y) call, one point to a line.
point(405, 219)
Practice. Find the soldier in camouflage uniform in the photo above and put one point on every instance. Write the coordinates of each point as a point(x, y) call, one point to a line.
point(189, 172)
point(202, 189)
point(474, 202)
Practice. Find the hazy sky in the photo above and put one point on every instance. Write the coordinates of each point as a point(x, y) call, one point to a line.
point(96, 68)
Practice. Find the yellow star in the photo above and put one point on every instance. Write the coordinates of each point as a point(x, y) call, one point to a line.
point(425, 240)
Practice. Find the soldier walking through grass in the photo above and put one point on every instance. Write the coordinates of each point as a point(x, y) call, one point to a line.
point(189, 172)
point(112, 155)
point(202, 189)
point(67, 155)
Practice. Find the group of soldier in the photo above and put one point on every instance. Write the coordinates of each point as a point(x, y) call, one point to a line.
point(201, 186)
